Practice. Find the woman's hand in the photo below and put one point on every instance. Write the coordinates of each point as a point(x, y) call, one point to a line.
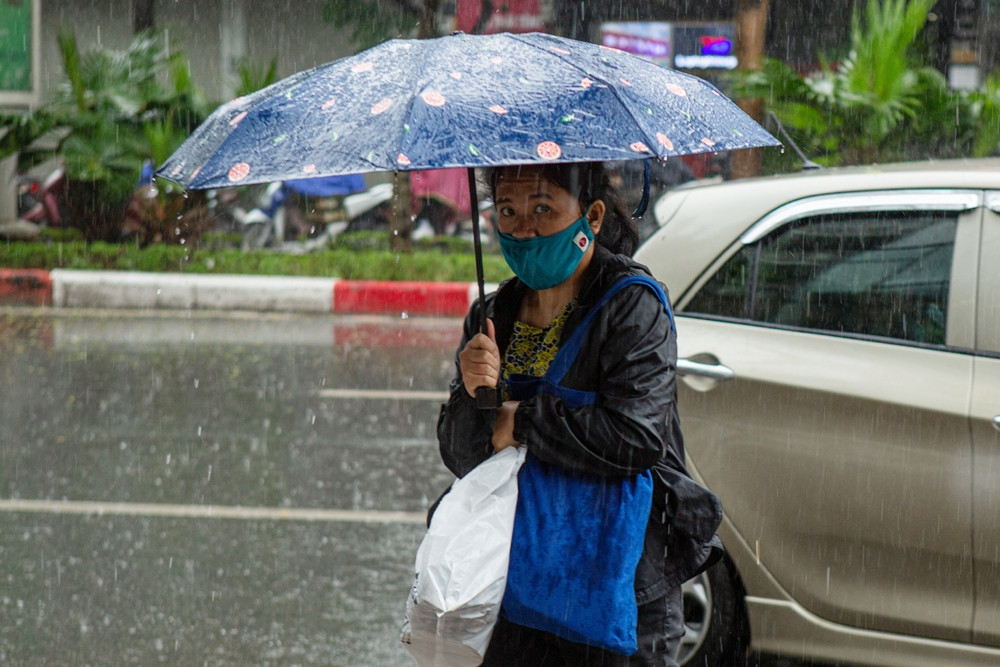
point(480, 360)
point(503, 426)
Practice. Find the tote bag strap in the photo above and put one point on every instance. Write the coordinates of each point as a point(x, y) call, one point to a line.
point(568, 350)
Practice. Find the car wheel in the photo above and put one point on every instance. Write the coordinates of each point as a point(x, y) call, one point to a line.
point(715, 628)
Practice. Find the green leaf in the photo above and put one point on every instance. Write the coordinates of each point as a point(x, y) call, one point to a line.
point(369, 21)
point(71, 66)
point(254, 77)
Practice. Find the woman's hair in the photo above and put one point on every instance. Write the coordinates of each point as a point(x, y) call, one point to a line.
point(587, 182)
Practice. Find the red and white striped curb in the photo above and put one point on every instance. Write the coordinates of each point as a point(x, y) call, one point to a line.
point(62, 288)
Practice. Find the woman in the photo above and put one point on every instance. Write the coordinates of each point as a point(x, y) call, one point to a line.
point(567, 238)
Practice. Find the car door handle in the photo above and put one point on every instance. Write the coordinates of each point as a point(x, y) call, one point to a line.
point(716, 371)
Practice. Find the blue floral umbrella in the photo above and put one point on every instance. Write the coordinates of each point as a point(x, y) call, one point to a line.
point(461, 101)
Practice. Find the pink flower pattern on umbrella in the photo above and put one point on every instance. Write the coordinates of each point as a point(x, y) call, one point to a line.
point(665, 141)
point(433, 98)
point(549, 150)
point(238, 172)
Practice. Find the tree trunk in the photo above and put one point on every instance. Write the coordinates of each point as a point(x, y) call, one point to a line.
point(751, 33)
point(945, 11)
point(572, 18)
point(428, 19)
point(143, 15)
point(401, 226)
point(8, 188)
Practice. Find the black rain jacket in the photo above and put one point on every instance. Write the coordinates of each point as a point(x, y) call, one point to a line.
point(629, 359)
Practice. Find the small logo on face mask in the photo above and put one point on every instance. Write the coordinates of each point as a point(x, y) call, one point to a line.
point(581, 241)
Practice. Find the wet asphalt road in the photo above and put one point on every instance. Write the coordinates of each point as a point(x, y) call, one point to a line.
point(228, 411)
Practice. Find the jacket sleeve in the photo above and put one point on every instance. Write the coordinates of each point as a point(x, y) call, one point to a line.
point(629, 358)
point(464, 431)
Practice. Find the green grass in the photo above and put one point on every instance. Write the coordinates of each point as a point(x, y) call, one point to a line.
point(363, 257)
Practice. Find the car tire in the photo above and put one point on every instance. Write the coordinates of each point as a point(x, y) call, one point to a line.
point(716, 632)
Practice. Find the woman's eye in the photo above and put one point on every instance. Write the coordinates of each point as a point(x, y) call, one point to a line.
point(506, 211)
point(542, 208)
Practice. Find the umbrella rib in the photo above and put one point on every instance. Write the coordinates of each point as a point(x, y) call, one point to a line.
point(408, 114)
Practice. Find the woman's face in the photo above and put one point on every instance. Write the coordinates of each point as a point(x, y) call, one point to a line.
point(529, 205)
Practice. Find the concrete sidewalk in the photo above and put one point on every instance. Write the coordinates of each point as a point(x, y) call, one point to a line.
point(179, 291)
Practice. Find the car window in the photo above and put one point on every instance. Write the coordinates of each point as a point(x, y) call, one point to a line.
point(880, 274)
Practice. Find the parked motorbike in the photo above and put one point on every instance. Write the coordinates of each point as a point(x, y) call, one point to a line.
point(277, 219)
point(38, 198)
point(441, 201)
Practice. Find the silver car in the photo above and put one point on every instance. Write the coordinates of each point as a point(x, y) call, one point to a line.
point(839, 335)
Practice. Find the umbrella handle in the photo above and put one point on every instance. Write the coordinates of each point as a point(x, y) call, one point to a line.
point(644, 202)
point(486, 397)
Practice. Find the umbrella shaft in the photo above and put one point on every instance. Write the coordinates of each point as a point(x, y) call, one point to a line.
point(486, 397)
point(478, 246)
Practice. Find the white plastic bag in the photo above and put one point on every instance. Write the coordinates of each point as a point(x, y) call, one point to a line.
point(461, 566)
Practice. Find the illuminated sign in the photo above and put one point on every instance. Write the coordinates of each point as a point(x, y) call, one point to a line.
point(692, 46)
point(715, 45)
point(704, 46)
point(648, 39)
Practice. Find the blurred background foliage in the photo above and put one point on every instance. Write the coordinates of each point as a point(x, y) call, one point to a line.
point(880, 102)
point(114, 111)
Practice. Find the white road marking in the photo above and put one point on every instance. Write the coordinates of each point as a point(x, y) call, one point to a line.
point(209, 511)
point(387, 394)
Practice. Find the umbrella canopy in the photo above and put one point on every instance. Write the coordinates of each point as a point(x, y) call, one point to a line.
point(461, 101)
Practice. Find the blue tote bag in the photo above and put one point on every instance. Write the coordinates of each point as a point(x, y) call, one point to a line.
point(577, 538)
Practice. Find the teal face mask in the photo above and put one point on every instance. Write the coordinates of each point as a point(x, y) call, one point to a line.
point(542, 262)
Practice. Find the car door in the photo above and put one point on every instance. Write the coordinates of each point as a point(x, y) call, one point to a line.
point(986, 431)
point(841, 446)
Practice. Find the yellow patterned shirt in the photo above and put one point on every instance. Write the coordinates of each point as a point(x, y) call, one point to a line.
point(531, 350)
